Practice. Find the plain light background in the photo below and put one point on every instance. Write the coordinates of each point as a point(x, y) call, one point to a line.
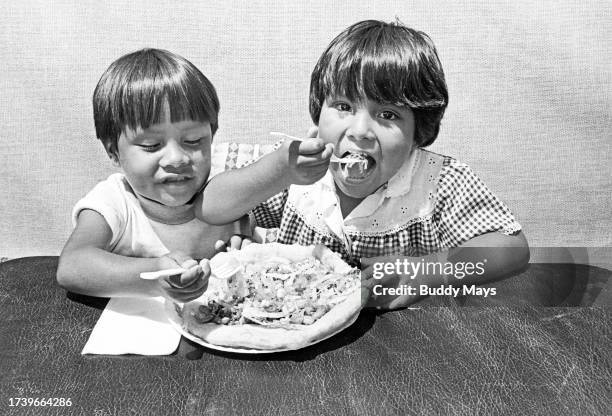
point(530, 97)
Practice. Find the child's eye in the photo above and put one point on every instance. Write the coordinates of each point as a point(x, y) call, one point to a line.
point(342, 107)
point(149, 147)
point(194, 142)
point(388, 115)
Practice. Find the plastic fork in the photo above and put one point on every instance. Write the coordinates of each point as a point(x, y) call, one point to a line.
point(334, 159)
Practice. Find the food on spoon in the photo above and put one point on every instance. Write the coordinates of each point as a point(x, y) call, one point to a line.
point(358, 165)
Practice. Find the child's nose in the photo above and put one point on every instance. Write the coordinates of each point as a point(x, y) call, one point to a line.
point(174, 155)
point(361, 125)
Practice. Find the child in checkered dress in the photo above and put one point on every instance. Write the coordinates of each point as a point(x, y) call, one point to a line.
point(377, 95)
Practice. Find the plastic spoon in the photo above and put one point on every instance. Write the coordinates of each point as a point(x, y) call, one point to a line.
point(161, 273)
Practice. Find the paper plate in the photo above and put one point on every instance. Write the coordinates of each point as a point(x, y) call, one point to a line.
point(340, 317)
point(191, 337)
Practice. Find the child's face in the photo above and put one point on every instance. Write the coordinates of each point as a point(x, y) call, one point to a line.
point(167, 162)
point(382, 133)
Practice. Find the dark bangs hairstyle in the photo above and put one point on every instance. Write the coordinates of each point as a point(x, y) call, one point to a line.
point(132, 92)
point(387, 63)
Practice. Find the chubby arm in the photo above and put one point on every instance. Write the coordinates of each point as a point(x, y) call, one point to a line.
point(502, 256)
point(505, 255)
point(86, 267)
point(231, 194)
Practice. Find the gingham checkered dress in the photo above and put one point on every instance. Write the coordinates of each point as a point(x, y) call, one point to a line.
point(433, 203)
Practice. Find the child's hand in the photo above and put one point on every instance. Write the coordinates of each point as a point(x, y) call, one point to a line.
point(312, 132)
point(190, 284)
point(236, 242)
point(305, 161)
point(373, 290)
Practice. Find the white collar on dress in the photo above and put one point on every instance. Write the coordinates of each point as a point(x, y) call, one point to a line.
point(400, 183)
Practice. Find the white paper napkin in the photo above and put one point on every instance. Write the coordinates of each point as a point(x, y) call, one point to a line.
point(133, 326)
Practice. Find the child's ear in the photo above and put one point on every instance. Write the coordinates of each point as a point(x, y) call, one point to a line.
point(115, 160)
point(111, 151)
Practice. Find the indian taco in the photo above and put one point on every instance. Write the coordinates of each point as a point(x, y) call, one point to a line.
point(281, 297)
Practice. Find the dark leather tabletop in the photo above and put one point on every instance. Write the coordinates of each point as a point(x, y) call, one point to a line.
point(541, 346)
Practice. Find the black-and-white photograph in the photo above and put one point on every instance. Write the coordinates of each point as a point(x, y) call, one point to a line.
point(306, 208)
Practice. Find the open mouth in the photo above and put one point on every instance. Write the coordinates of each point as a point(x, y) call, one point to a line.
point(357, 165)
point(177, 179)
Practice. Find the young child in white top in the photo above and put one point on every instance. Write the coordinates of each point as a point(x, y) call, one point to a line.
point(156, 115)
point(377, 93)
